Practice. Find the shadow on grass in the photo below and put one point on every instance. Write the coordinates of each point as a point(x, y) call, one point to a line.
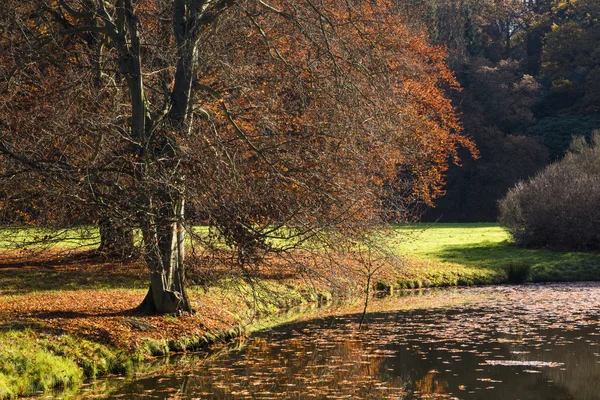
point(55, 260)
point(98, 335)
point(546, 265)
point(78, 271)
point(37, 322)
point(489, 255)
point(67, 314)
point(88, 271)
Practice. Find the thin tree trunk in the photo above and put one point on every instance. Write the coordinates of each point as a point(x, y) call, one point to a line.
point(367, 294)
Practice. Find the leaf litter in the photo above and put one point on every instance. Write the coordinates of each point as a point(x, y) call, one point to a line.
point(527, 342)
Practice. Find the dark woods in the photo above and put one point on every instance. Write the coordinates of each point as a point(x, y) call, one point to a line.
point(530, 74)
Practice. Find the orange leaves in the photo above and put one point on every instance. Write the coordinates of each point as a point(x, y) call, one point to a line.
point(303, 114)
point(356, 89)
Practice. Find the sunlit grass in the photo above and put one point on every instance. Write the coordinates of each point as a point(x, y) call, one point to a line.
point(84, 237)
point(438, 254)
point(88, 237)
point(31, 362)
point(482, 253)
point(433, 255)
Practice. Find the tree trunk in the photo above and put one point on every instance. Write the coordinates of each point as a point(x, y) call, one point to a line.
point(164, 246)
point(534, 46)
point(115, 240)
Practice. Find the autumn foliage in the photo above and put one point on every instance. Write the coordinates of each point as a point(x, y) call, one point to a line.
point(269, 121)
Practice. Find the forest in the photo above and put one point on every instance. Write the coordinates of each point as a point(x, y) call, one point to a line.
point(529, 77)
point(177, 175)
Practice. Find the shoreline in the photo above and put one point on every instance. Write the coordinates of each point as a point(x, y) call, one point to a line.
point(72, 318)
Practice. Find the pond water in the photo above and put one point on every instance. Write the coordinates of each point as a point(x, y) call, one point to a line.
point(516, 342)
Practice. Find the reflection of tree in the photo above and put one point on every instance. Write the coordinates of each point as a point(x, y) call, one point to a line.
point(429, 384)
point(398, 353)
point(307, 367)
point(312, 364)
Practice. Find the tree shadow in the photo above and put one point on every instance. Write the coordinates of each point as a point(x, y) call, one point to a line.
point(77, 271)
point(546, 265)
point(68, 314)
point(44, 262)
point(100, 335)
point(89, 270)
point(490, 255)
point(60, 260)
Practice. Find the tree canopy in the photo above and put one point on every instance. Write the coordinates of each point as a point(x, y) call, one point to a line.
point(266, 120)
point(530, 84)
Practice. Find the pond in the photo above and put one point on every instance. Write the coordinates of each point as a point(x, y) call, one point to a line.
point(514, 342)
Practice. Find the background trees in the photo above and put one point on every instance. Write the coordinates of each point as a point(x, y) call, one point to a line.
point(269, 121)
point(571, 56)
point(528, 73)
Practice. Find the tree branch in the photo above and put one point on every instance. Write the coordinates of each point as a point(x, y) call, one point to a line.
point(74, 13)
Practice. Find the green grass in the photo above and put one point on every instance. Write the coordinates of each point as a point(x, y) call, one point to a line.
point(471, 253)
point(33, 362)
point(39, 238)
point(439, 254)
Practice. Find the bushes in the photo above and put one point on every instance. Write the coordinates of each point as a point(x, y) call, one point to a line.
point(560, 207)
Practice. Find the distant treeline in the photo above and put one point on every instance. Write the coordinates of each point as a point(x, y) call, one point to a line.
point(530, 72)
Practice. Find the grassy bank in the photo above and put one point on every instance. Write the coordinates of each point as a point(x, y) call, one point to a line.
point(65, 317)
point(467, 254)
point(33, 362)
point(57, 350)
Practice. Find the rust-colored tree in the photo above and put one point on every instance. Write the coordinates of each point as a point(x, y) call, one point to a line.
point(280, 119)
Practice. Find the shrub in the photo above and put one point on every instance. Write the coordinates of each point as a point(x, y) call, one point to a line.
point(560, 207)
point(518, 272)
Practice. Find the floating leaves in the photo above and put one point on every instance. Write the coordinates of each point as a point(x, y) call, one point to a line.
point(538, 341)
point(513, 363)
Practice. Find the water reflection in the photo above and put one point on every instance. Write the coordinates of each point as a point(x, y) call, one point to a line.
point(538, 342)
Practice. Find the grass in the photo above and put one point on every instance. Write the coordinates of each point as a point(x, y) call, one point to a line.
point(435, 255)
point(33, 362)
point(62, 333)
point(438, 254)
point(84, 237)
point(53, 271)
point(445, 254)
point(53, 340)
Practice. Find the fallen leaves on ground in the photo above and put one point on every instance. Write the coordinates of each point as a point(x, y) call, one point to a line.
point(95, 298)
point(57, 304)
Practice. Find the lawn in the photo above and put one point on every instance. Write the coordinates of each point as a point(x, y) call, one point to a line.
point(442, 253)
point(439, 254)
point(83, 237)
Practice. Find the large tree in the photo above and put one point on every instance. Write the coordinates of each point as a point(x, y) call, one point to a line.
point(270, 119)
